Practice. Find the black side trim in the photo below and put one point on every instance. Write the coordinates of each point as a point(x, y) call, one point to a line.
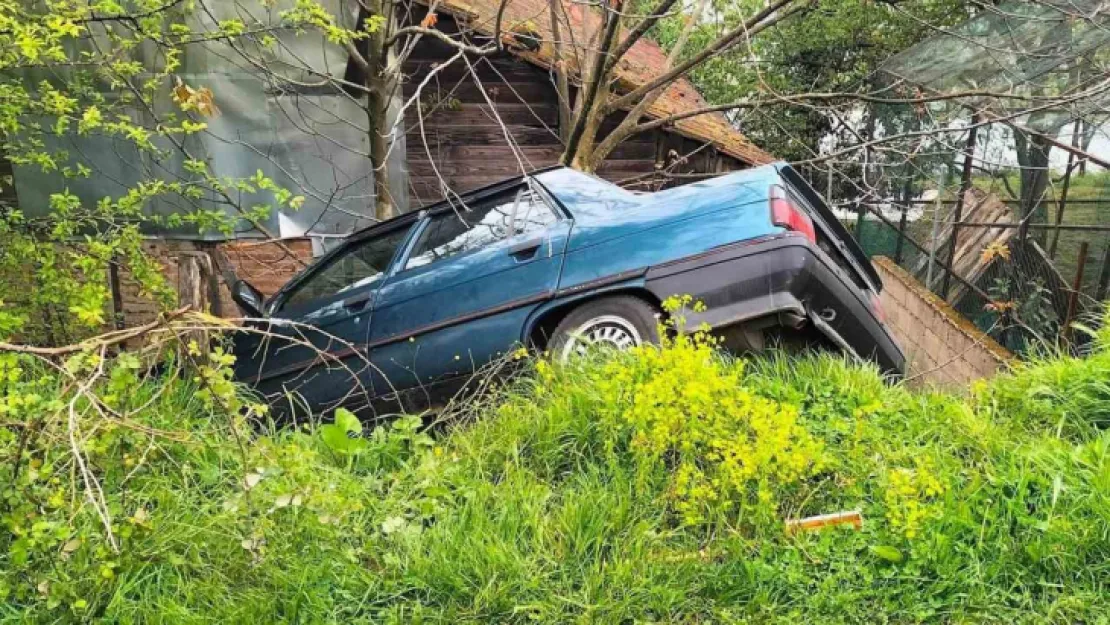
point(602, 282)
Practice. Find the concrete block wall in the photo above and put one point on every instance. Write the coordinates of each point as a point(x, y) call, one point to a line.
point(943, 349)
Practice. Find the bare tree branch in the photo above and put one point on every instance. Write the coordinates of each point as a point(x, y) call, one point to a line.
point(638, 31)
point(749, 28)
point(591, 83)
point(628, 125)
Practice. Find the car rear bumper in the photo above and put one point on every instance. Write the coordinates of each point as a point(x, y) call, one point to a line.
point(781, 275)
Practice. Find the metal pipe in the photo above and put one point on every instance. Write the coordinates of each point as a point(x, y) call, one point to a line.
point(961, 199)
point(1071, 227)
point(941, 178)
point(1080, 201)
point(1063, 202)
point(1104, 275)
point(1073, 297)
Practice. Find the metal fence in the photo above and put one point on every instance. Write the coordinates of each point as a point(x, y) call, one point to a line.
point(1027, 283)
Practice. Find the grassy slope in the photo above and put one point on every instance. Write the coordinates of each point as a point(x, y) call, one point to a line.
point(564, 502)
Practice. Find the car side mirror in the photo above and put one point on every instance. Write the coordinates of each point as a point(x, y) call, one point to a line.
point(248, 298)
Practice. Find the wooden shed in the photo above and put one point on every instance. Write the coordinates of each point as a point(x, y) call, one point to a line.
point(462, 137)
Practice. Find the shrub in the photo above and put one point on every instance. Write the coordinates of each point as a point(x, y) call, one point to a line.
point(188, 516)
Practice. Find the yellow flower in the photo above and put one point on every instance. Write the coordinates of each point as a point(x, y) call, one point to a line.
point(995, 249)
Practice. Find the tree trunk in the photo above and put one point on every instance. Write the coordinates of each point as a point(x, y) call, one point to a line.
point(627, 127)
point(1032, 156)
point(585, 157)
point(381, 83)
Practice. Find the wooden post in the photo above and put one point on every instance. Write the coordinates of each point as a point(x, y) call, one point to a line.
point(193, 271)
point(118, 319)
point(213, 279)
point(191, 290)
point(965, 187)
point(1073, 297)
point(1104, 274)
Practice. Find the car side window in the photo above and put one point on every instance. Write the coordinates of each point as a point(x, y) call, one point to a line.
point(478, 224)
point(362, 264)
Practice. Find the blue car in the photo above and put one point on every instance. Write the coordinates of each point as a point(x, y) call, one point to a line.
point(411, 308)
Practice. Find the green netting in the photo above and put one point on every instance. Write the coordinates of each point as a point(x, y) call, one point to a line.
point(1042, 48)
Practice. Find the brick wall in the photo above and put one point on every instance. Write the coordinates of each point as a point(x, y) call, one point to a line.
point(943, 349)
point(265, 264)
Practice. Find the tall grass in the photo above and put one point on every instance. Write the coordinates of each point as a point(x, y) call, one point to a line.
point(561, 498)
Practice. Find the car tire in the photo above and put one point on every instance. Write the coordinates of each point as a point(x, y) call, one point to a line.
point(621, 322)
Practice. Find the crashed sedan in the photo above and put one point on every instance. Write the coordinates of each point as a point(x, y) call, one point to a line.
point(559, 260)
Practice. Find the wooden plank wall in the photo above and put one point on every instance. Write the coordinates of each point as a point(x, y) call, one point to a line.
point(462, 140)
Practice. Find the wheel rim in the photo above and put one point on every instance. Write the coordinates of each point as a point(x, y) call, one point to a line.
point(605, 331)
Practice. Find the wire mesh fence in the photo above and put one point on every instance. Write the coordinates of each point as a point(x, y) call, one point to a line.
point(1026, 283)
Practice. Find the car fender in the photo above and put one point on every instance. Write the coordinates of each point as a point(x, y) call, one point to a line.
point(564, 299)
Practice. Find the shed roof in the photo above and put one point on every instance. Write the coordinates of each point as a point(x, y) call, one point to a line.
point(643, 62)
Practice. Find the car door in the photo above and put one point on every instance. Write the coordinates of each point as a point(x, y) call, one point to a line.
point(314, 348)
point(462, 293)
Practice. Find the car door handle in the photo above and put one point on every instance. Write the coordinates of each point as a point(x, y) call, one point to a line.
point(356, 301)
point(525, 249)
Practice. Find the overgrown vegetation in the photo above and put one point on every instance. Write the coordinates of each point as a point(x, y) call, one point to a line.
point(650, 486)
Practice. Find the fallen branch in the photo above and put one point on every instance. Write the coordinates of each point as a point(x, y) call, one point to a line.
point(98, 342)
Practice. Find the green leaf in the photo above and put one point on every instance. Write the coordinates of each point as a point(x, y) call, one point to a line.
point(348, 421)
point(888, 553)
point(338, 436)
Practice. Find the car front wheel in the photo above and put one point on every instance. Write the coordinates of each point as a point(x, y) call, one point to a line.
point(620, 322)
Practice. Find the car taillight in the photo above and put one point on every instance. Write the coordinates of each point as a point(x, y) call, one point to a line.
point(786, 214)
point(877, 306)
